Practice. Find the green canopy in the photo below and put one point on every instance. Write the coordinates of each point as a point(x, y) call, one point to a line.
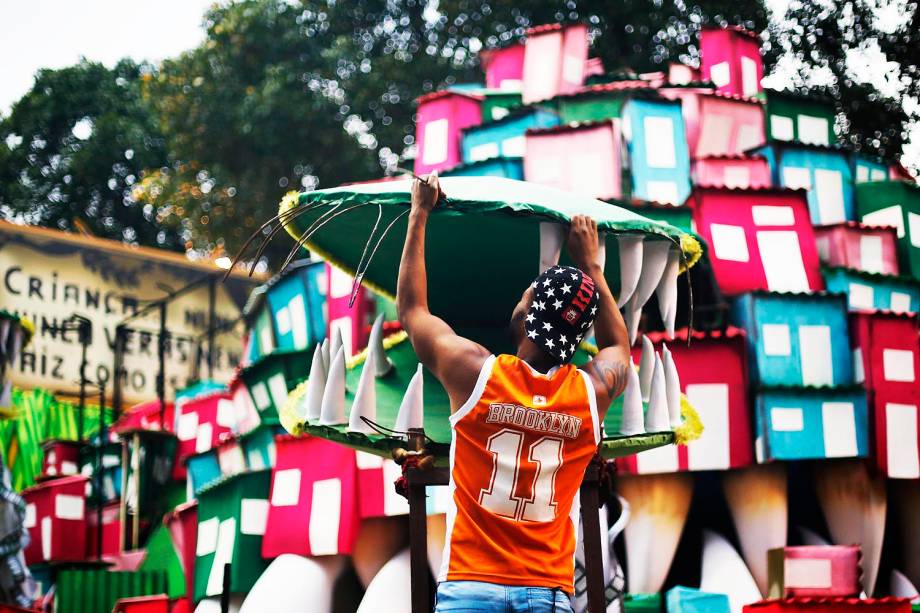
point(483, 244)
point(391, 387)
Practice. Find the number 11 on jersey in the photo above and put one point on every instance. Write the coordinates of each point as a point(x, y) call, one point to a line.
point(500, 498)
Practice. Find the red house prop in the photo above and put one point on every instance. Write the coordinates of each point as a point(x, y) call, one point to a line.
point(376, 495)
point(886, 356)
point(854, 245)
point(441, 119)
point(313, 505)
point(719, 395)
point(555, 58)
point(56, 520)
point(582, 157)
point(831, 605)
point(758, 239)
point(730, 59)
point(146, 416)
point(60, 458)
point(182, 524)
point(111, 531)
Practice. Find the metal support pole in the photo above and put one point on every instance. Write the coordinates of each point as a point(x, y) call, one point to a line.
point(117, 365)
point(161, 373)
point(212, 323)
point(83, 337)
point(594, 561)
point(100, 447)
point(225, 592)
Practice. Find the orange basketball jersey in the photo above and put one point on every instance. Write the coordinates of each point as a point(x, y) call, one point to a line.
point(520, 447)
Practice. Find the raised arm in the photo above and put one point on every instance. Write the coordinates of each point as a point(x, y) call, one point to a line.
point(608, 368)
point(454, 360)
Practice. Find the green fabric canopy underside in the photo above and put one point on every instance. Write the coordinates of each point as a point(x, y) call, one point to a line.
point(391, 387)
point(483, 241)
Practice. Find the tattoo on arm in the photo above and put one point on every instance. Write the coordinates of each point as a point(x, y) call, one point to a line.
point(613, 376)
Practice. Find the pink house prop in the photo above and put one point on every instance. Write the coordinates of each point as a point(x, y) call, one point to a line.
point(730, 59)
point(247, 416)
point(854, 245)
point(504, 67)
point(441, 118)
point(758, 239)
point(377, 496)
point(584, 158)
point(719, 395)
point(681, 74)
point(313, 505)
point(555, 58)
point(732, 171)
point(202, 421)
point(719, 124)
point(886, 357)
point(56, 520)
point(230, 456)
point(352, 322)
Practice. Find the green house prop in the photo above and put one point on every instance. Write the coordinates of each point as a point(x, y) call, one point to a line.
point(897, 204)
point(231, 522)
point(804, 119)
point(95, 591)
point(271, 378)
point(259, 446)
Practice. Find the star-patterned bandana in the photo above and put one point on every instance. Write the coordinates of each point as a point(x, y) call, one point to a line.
point(563, 308)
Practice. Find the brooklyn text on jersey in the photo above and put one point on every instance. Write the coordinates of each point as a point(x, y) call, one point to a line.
point(533, 419)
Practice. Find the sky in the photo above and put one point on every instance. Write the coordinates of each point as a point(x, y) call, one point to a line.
point(56, 33)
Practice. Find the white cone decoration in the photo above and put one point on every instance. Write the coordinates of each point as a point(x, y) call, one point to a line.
point(313, 401)
point(326, 356)
point(552, 235)
point(656, 417)
point(633, 419)
point(632, 313)
point(295, 583)
point(724, 572)
point(4, 330)
point(901, 587)
point(336, 343)
point(390, 589)
point(382, 364)
point(333, 407)
point(667, 292)
point(412, 408)
point(365, 402)
point(6, 395)
point(672, 387)
point(654, 261)
point(630, 248)
point(646, 367)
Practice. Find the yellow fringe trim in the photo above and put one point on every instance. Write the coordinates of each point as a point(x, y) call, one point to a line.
point(288, 413)
point(692, 428)
point(28, 329)
point(388, 343)
point(692, 250)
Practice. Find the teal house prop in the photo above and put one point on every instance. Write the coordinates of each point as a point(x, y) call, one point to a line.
point(824, 171)
point(795, 339)
point(866, 291)
point(805, 423)
point(658, 158)
point(505, 137)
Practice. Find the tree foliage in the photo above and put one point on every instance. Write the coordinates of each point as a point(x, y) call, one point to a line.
point(821, 40)
point(286, 95)
point(72, 149)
